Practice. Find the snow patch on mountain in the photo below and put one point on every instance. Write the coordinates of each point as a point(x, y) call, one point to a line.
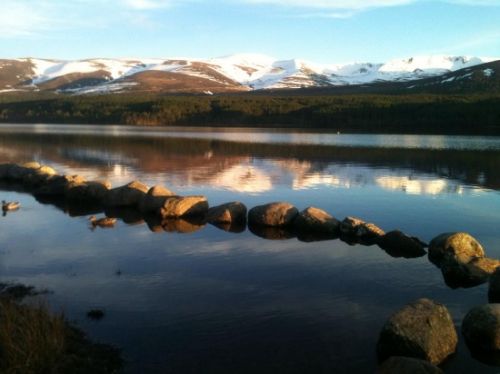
point(256, 71)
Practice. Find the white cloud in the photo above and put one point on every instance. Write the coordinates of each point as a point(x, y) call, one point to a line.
point(18, 19)
point(147, 4)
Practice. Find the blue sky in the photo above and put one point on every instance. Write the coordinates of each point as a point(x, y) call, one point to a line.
point(324, 31)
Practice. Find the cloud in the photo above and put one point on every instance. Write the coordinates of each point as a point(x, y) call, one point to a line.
point(18, 19)
point(147, 4)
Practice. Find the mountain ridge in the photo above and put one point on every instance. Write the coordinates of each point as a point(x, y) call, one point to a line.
point(234, 73)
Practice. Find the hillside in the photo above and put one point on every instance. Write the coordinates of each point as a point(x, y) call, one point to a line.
point(238, 73)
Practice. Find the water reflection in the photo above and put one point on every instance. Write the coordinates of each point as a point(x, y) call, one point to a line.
point(257, 168)
point(193, 297)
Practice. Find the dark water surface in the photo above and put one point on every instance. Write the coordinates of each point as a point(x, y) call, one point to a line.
point(210, 301)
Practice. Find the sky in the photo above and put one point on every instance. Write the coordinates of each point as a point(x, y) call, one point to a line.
point(322, 31)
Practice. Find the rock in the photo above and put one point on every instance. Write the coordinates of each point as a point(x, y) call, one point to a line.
point(4, 170)
point(473, 273)
point(369, 231)
point(16, 172)
point(494, 287)
point(398, 244)
point(58, 185)
point(154, 199)
point(94, 191)
point(423, 329)
point(39, 175)
point(233, 212)
point(481, 327)
point(128, 195)
point(313, 219)
point(276, 214)
point(454, 247)
point(187, 206)
point(401, 365)
point(349, 225)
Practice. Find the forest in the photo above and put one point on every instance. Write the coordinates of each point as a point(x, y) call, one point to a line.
point(420, 113)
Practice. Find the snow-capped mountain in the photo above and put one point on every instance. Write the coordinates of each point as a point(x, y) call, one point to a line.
point(243, 72)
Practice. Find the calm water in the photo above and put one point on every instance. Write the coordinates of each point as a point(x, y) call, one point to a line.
point(216, 302)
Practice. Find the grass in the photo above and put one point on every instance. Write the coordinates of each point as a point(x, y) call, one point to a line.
point(33, 340)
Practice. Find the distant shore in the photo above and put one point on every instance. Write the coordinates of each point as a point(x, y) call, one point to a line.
point(471, 114)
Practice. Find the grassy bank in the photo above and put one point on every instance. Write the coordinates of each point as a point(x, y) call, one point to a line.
point(372, 113)
point(34, 340)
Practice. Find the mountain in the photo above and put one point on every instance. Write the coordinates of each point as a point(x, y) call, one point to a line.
point(240, 73)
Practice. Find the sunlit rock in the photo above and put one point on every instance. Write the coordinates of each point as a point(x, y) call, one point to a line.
point(481, 327)
point(273, 214)
point(315, 220)
point(154, 199)
point(401, 365)
point(186, 206)
point(128, 195)
point(398, 244)
point(456, 247)
point(228, 213)
point(423, 329)
point(356, 230)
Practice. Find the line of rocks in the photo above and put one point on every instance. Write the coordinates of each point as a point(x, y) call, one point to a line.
point(414, 339)
point(422, 335)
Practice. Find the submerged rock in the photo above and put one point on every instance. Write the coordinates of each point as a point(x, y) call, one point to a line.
point(402, 365)
point(275, 214)
point(154, 199)
point(316, 220)
point(456, 247)
point(187, 206)
point(423, 329)
point(481, 327)
point(128, 195)
point(398, 244)
point(233, 212)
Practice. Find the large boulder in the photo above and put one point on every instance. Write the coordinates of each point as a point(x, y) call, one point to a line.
point(128, 195)
point(458, 247)
point(233, 212)
point(276, 214)
point(186, 206)
point(481, 327)
point(398, 244)
point(423, 329)
point(154, 199)
point(401, 365)
point(313, 219)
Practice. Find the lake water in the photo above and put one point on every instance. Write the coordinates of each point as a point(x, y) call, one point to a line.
point(210, 301)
